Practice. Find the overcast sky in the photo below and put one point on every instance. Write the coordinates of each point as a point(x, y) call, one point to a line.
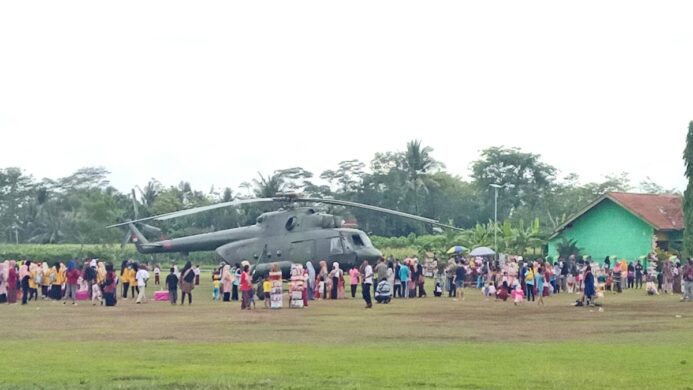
point(213, 92)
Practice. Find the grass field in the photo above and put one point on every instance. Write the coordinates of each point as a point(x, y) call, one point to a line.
point(636, 342)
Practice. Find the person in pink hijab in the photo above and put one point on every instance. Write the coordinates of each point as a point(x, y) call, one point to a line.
point(3, 282)
point(12, 279)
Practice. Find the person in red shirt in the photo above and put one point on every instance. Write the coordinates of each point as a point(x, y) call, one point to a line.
point(71, 284)
point(246, 288)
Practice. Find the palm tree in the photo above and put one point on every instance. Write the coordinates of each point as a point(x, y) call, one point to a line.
point(269, 186)
point(418, 164)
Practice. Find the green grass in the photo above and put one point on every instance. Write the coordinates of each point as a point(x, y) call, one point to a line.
point(636, 342)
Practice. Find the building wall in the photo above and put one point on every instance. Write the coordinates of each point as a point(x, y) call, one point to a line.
point(607, 229)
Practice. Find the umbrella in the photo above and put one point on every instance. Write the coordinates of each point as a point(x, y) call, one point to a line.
point(456, 249)
point(482, 251)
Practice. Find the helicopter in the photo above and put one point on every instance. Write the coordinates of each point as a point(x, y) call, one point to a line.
point(295, 232)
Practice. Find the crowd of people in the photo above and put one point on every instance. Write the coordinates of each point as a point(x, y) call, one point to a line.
point(93, 280)
point(515, 278)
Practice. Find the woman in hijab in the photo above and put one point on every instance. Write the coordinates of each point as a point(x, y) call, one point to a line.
point(420, 280)
point(589, 291)
point(24, 277)
point(34, 280)
point(45, 280)
point(187, 279)
point(226, 280)
point(3, 282)
point(110, 286)
point(12, 280)
point(97, 288)
point(311, 280)
point(323, 277)
point(335, 279)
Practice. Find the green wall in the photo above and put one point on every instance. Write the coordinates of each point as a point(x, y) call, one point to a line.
point(607, 229)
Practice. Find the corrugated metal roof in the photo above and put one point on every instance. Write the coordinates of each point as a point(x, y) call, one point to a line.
point(662, 212)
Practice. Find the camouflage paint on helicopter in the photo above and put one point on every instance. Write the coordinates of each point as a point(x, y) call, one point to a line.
point(291, 234)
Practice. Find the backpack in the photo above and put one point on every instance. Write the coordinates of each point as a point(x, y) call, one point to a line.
point(189, 276)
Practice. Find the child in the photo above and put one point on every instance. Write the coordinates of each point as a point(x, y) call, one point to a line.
point(489, 290)
point(172, 284)
point(266, 287)
point(438, 289)
point(518, 295)
point(216, 283)
point(157, 271)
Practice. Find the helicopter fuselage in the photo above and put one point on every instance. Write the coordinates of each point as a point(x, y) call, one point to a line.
point(295, 235)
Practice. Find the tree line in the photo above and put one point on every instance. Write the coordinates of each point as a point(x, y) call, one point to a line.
point(534, 198)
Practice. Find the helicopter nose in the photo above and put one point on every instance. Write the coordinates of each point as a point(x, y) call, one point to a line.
point(370, 254)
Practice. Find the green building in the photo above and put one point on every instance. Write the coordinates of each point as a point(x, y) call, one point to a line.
point(625, 225)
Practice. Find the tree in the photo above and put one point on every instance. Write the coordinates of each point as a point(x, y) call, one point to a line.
point(527, 178)
point(347, 178)
point(688, 194)
point(419, 164)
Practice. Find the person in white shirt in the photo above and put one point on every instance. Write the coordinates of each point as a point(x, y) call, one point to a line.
point(196, 271)
point(367, 275)
point(142, 276)
point(157, 271)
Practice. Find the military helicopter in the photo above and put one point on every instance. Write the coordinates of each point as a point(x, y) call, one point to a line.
point(296, 232)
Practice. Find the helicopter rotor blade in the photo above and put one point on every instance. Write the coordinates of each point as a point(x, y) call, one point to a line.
point(195, 210)
point(380, 210)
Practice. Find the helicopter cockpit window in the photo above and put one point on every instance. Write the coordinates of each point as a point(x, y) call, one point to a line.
point(366, 241)
point(291, 223)
point(336, 246)
point(357, 240)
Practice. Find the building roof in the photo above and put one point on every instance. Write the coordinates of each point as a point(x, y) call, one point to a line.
point(662, 212)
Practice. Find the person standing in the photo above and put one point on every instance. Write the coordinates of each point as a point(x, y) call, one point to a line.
point(667, 277)
point(404, 279)
point(124, 278)
point(187, 283)
point(677, 286)
point(367, 283)
point(460, 275)
point(12, 280)
point(226, 282)
point(589, 291)
point(398, 282)
point(110, 286)
point(236, 279)
point(157, 271)
point(539, 281)
point(335, 275)
point(246, 288)
point(631, 275)
point(529, 283)
point(311, 281)
point(391, 275)
point(72, 285)
point(142, 276)
point(172, 285)
point(24, 277)
point(3, 283)
point(687, 277)
point(354, 280)
point(197, 274)
point(638, 274)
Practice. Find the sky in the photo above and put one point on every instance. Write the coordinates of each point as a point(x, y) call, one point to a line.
point(215, 92)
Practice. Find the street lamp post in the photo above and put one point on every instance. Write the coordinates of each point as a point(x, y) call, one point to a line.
point(495, 217)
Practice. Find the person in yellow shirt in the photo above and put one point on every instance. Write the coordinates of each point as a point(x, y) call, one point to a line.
point(266, 287)
point(33, 285)
point(216, 284)
point(45, 280)
point(132, 277)
point(56, 280)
